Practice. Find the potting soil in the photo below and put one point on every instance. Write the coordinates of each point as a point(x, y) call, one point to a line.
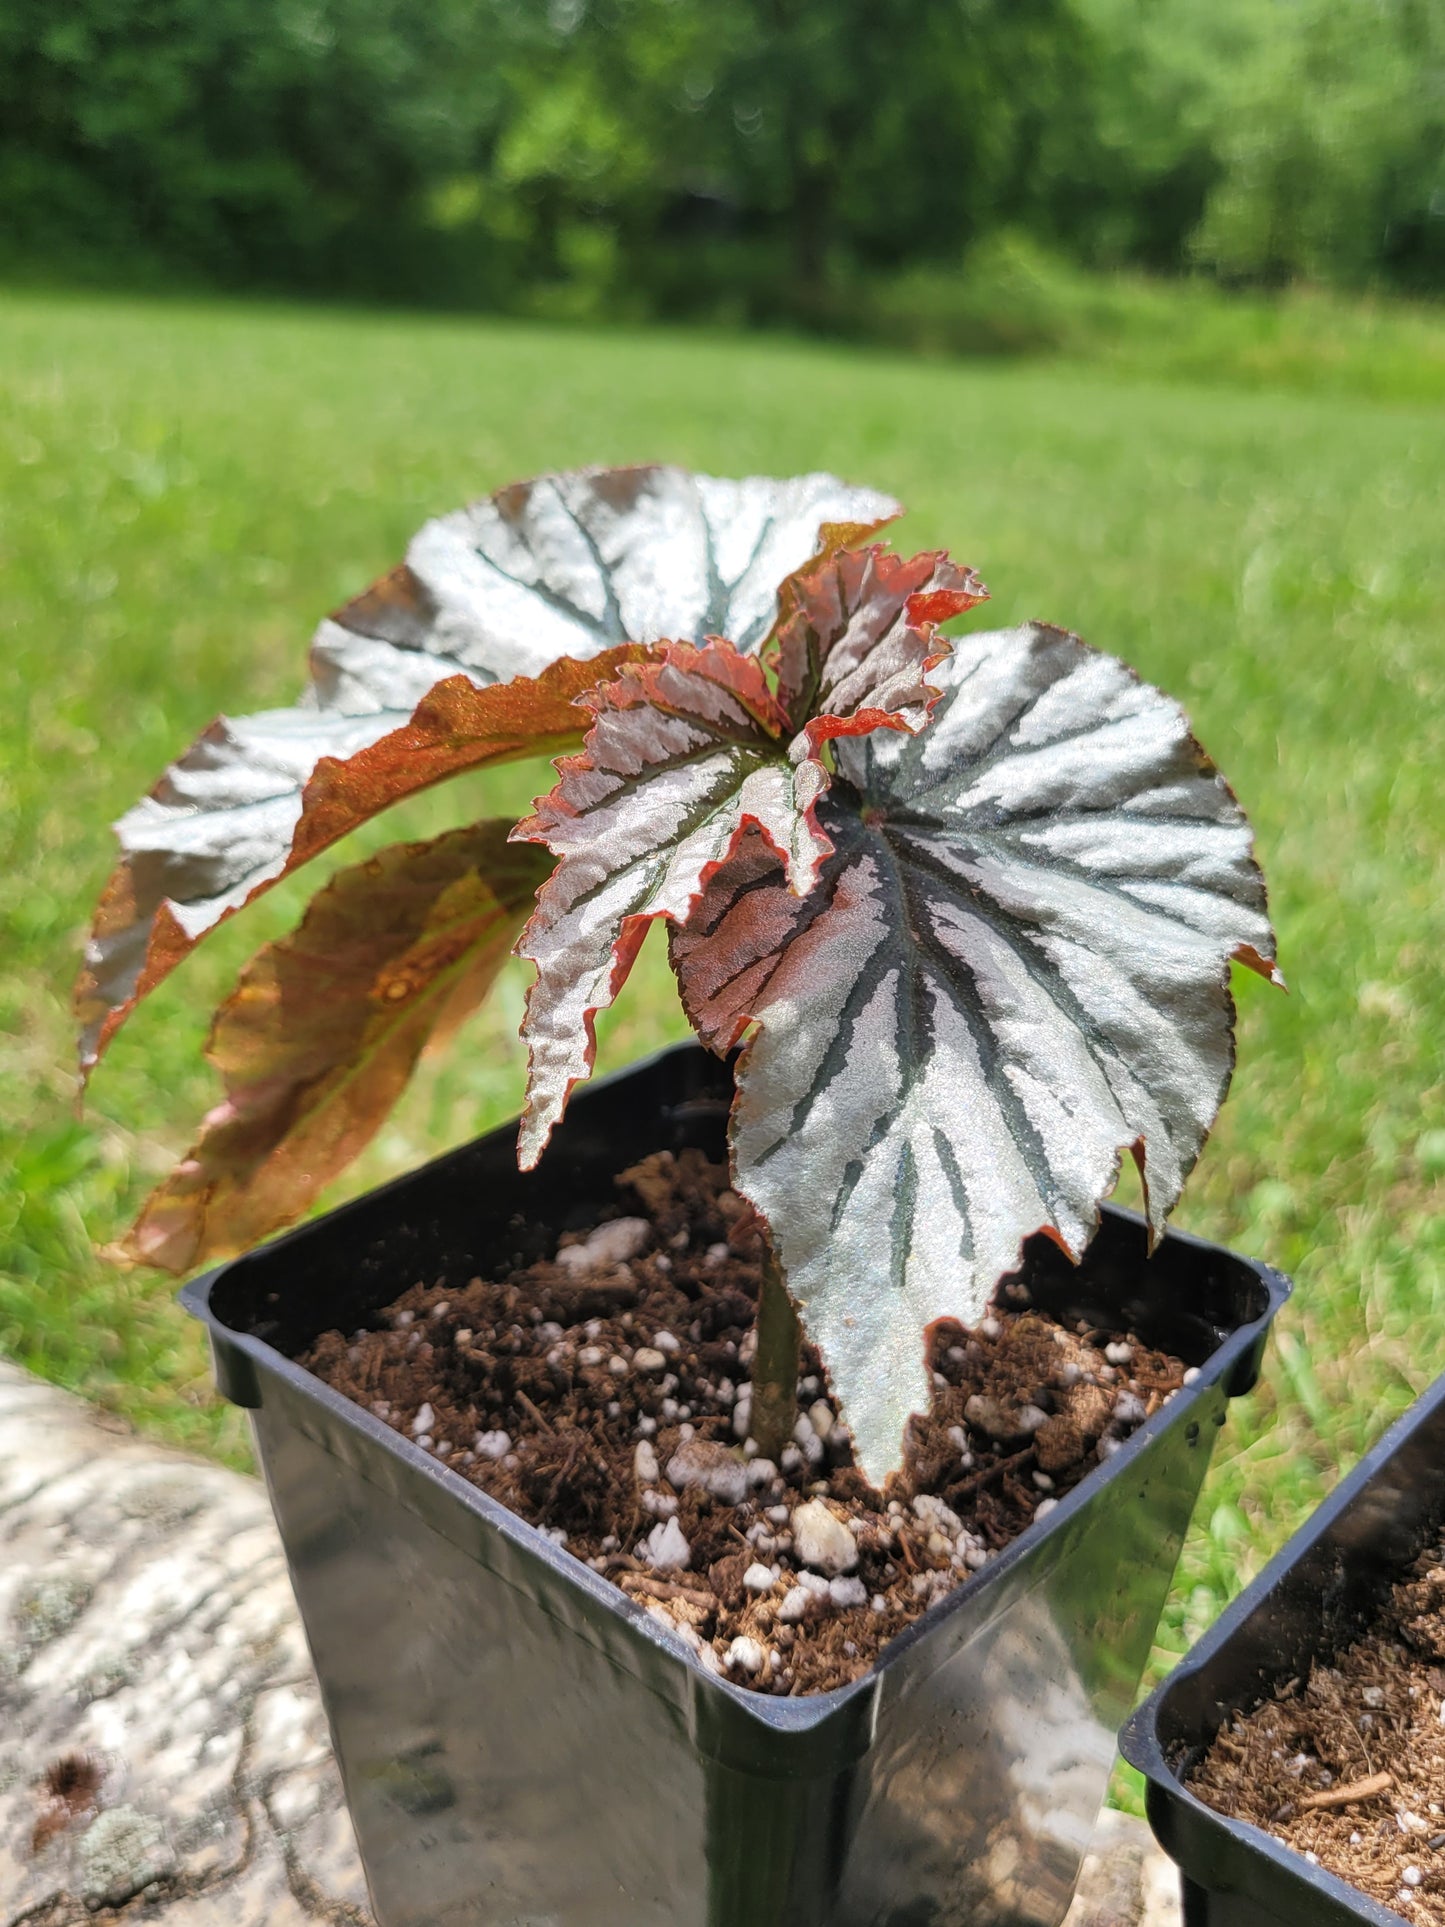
point(1347, 1765)
point(603, 1396)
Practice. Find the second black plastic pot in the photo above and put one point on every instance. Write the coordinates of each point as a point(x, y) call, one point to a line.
point(522, 1744)
point(1315, 1597)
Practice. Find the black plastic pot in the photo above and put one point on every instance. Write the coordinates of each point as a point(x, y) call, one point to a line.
point(1316, 1596)
point(521, 1744)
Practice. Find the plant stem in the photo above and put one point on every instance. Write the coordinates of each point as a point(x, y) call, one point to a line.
point(775, 1363)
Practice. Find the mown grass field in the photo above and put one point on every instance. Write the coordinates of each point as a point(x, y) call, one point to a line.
point(183, 491)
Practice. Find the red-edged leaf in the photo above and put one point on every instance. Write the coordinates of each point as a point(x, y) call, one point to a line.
point(855, 639)
point(683, 752)
point(321, 1034)
point(1013, 968)
point(186, 871)
point(686, 753)
point(562, 567)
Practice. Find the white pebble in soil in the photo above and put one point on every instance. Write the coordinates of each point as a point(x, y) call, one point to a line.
point(1001, 1421)
point(647, 1358)
point(492, 1445)
point(847, 1592)
point(760, 1578)
point(644, 1460)
point(1119, 1353)
point(822, 1418)
point(423, 1422)
point(822, 1540)
point(609, 1244)
point(746, 1655)
point(936, 1516)
point(665, 1549)
point(702, 1463)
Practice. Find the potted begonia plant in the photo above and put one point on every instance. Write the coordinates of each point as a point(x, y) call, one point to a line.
point(955, 920)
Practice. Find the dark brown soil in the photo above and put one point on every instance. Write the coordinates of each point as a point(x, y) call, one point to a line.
point(1348, 1765)
point(602, 1396)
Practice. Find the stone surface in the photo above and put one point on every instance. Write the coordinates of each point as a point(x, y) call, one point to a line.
point(147, 1624)
point(1127, 1881)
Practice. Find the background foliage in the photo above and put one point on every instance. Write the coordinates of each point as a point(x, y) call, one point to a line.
point(772, 160)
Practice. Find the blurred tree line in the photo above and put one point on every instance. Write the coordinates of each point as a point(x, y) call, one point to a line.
point(798, 160)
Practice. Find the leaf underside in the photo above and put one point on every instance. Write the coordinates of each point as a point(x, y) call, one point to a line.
point(689, 751)
point(324, 1028)
point(1013, 968)
point(565, 566)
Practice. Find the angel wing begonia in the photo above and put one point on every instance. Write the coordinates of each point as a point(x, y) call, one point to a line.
point(1014, 967)
point(524, 590)
point(687, 752)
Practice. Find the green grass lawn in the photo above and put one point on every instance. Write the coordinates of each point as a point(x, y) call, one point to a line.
point(185, 490)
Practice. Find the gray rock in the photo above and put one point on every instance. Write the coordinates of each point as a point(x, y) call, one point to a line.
point(120, 1854)
point(147, 1624)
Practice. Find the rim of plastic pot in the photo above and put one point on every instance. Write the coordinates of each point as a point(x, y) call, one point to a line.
point(1212, 1849)
point(243, 1360)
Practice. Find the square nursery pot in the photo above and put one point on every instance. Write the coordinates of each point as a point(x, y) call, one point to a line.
point(1314, 1597)
point(521, 1743)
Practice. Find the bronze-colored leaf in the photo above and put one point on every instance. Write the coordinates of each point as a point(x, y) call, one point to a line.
point(855, 638)
point(561, 567)
point(319, 1037)
point(682, 753)
point(231, 847)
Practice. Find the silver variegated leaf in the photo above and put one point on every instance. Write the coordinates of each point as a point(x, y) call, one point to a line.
point(1014, 968)
point(689, 751)
point(562, 566)
point(684, 753)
